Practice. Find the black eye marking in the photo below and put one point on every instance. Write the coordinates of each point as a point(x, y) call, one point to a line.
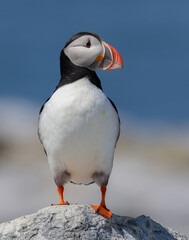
point(88, 44)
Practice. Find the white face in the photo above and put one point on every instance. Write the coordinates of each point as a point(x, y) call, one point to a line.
point(83, 51)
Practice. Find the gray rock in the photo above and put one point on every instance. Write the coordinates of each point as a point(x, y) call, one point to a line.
point(81, 222)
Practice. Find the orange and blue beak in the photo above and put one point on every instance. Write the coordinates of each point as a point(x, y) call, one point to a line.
point(110, 59)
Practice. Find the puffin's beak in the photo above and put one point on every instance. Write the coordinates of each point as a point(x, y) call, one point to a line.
point(110, 59)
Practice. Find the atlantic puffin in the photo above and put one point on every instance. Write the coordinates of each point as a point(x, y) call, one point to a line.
point(78, 125)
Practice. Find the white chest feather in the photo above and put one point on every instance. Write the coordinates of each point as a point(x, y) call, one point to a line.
point(78, 127)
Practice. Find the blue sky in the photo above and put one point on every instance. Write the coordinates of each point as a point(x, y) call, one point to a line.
point(151, 36)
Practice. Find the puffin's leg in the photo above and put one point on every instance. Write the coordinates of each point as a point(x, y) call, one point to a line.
point(102, 209)
point(60, 190)
point(60, 180)
point(102, 180)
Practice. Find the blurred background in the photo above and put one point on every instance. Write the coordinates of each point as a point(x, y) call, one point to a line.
point(151, 166)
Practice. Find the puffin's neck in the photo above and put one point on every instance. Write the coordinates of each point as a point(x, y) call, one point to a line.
point(71, 73)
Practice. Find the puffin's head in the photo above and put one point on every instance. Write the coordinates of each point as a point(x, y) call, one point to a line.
point(86, 49)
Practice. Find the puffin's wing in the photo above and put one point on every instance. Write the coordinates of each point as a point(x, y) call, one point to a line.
point(43, 106)
point(38, 126)
point(114, 106)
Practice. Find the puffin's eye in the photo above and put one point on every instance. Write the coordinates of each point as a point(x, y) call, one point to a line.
point(88, 44)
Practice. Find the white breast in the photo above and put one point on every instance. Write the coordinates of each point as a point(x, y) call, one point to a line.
point(78, 127)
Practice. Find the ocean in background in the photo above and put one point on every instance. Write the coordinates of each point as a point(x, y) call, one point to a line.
point(152, 37)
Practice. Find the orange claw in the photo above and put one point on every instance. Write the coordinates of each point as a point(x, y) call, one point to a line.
point(60, 192)
point(102, 209)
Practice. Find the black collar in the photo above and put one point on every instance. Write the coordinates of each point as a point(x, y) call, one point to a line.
point(71, 73)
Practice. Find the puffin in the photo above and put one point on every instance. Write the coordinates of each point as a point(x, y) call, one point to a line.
point(78, 125)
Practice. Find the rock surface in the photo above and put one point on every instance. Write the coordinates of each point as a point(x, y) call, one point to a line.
point(81, 222)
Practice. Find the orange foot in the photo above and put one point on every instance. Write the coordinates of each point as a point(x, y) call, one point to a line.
point(62, 203)
point(102, 211)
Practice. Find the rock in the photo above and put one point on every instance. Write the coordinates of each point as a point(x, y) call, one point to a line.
point(81, 222)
